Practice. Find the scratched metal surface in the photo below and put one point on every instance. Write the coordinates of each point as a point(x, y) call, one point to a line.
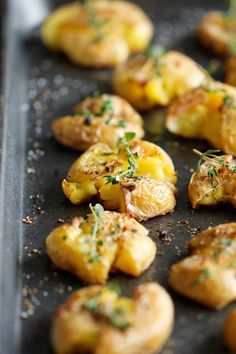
point(38, 87)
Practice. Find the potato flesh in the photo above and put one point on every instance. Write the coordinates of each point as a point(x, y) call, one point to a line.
point(205, 190)
point(97, 34)
point(91, 124)
point(208, 275)
point(150, 313)
point(100, 161)
point(204, 113)
point(139, 83)
point(122, 244)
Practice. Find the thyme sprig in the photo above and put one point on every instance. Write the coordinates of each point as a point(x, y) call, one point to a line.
point(215, 161)
point(123, 143)
point(97, 212)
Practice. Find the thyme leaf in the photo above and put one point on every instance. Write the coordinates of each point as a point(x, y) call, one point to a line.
point(132, 157)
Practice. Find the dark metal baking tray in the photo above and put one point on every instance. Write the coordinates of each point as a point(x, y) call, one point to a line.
point(37, 86)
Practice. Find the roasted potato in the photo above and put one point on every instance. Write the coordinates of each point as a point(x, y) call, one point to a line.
point(230, 331)
point(217, 32)
point(144, 198)
point(119, 243)
point(156, 78)
point(231, 70)
point(208, 112)
point(99, 171)
point(98, 33)
point(208, 275)
point(97, 320)
point(214, 182)
point(104, 118)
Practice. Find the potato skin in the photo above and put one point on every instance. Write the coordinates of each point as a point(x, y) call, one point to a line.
point(145, 198)
point(125, 246)
point(215, 32)
point(85, 178)
point(205, 190)
point(80, 131)
point(138, 82)
point(207, 112)
point(230, 330)
point(208, 275)
point(150, 312)
point(97, 34)
point(230, 69)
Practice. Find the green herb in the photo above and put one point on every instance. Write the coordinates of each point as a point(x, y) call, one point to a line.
point(121, 123)
point(226, 242)
point(97, 212)
point(113, 315)
point(213, 66)
point(121, 174)
point(205, 274)
point(156, 53)
point(215, 162)
point(230, 101)
point(114, 286)
point(64, 238)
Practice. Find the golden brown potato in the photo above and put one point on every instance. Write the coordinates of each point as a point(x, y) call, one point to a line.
point(208, 112)
point(144, 198)
point(105, 241)
point(99, 171)
point(98, 320)
point(214, 182)
point(104, 118)
point(231, 70)
point(98, 33)
point(156, 78)
point(217, 32)
point(230, 331)
point(208, 275)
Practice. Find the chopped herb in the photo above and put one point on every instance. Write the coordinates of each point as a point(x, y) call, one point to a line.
point(114, 286)
point(64, 238)
point(112, 314)
point(124, 143)
point(213, 66)
point(230, 101)
point(121, 123)
point(226, 242)
point(205, 274)
point(155, 52)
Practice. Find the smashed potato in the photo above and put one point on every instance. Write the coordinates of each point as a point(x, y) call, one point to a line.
point(144, 198)
point(96, 319)
point(217, 32)
point(104, 118)
point(231, 70)
point(214, 182)
point(208, 112)
point(100, 170)
point(106, 241)
point(230, 330)
point(156, 78)
point(208, 275)
point(98, 33)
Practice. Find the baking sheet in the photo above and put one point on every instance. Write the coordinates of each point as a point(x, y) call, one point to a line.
point(36, 87)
